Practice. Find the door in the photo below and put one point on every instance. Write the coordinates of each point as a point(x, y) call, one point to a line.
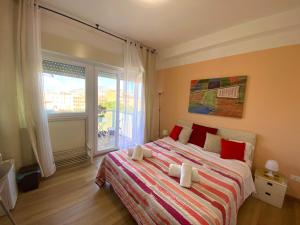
point(107, 111)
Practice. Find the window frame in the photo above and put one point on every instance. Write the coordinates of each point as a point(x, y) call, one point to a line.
point(67, 115)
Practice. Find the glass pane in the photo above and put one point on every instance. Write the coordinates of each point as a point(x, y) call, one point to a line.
point(127, 102)
point(64, 94)
point(107, 107)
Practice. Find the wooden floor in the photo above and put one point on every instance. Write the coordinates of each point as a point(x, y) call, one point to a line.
point(72, 197)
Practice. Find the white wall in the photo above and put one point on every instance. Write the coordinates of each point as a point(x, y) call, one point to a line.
point(274, 31)
point(68, 134)
point(65, 36)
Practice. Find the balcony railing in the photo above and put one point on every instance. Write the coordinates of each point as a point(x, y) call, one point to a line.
point(107, 129)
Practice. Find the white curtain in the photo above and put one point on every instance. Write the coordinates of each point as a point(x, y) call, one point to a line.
point(132, 101)
point(151, 102)
point(32, 114)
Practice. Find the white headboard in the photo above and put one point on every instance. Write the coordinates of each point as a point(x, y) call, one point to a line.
point(226, 133)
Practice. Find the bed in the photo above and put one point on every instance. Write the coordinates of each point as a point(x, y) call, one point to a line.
point(153, 197)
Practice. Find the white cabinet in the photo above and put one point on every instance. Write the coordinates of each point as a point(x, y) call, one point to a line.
point(270, 190)
point(8, 186)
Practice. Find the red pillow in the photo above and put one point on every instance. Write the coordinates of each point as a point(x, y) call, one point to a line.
point(175, 132)
point(198, 135)
point(232, 150)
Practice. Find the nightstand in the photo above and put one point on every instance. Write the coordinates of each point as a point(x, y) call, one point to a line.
point(270, 189)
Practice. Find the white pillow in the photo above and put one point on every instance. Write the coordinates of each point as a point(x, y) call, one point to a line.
point(212, 143)
point(184, 135)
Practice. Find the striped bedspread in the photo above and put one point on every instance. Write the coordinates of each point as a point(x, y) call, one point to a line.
point(153, 197)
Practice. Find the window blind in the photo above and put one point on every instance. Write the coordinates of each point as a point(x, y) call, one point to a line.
point(59, 68)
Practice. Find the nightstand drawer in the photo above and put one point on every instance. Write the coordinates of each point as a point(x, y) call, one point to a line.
point(274, 188)
point(273, 199)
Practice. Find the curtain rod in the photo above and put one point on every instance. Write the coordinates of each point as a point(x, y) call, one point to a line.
point(96, 27)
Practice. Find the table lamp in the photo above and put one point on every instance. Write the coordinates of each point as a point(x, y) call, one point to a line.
point(165, 132)
point(271, 166)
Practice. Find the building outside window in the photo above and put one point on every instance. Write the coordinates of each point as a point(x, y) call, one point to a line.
point(64, 87)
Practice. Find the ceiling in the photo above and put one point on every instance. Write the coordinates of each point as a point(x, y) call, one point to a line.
point(164, 23)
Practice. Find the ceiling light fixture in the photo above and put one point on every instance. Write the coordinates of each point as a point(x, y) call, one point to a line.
point(153, 1)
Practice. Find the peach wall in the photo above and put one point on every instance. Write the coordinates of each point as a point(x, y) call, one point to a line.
point(272, 106)
point(10, 146)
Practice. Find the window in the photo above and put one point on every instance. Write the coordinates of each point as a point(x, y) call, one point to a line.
point(64, 87)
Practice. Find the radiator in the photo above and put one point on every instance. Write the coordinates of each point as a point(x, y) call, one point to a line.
point(71, 157)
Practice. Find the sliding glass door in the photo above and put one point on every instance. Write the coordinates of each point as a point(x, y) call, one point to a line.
point(119, 110)
point(107, 108)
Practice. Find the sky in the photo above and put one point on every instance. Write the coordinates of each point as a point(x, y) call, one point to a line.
point(57, 83)
point(105, 83)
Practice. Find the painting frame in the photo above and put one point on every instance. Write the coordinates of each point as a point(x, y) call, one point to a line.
point(222, 96)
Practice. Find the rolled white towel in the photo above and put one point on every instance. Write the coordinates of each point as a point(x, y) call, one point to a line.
point(130, 151)
point(137, 153)
point(147, 152)
point(195, 175)
point(175, 171)
point(186, 175)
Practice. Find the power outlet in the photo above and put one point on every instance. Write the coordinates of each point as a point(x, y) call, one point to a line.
point(295, 178)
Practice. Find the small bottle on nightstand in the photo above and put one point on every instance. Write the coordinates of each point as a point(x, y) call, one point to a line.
point(270, 189)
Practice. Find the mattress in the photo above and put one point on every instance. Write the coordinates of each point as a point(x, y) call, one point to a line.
point(153, 197)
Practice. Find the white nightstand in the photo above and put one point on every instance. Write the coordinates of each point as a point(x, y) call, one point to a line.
point(268, 189)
